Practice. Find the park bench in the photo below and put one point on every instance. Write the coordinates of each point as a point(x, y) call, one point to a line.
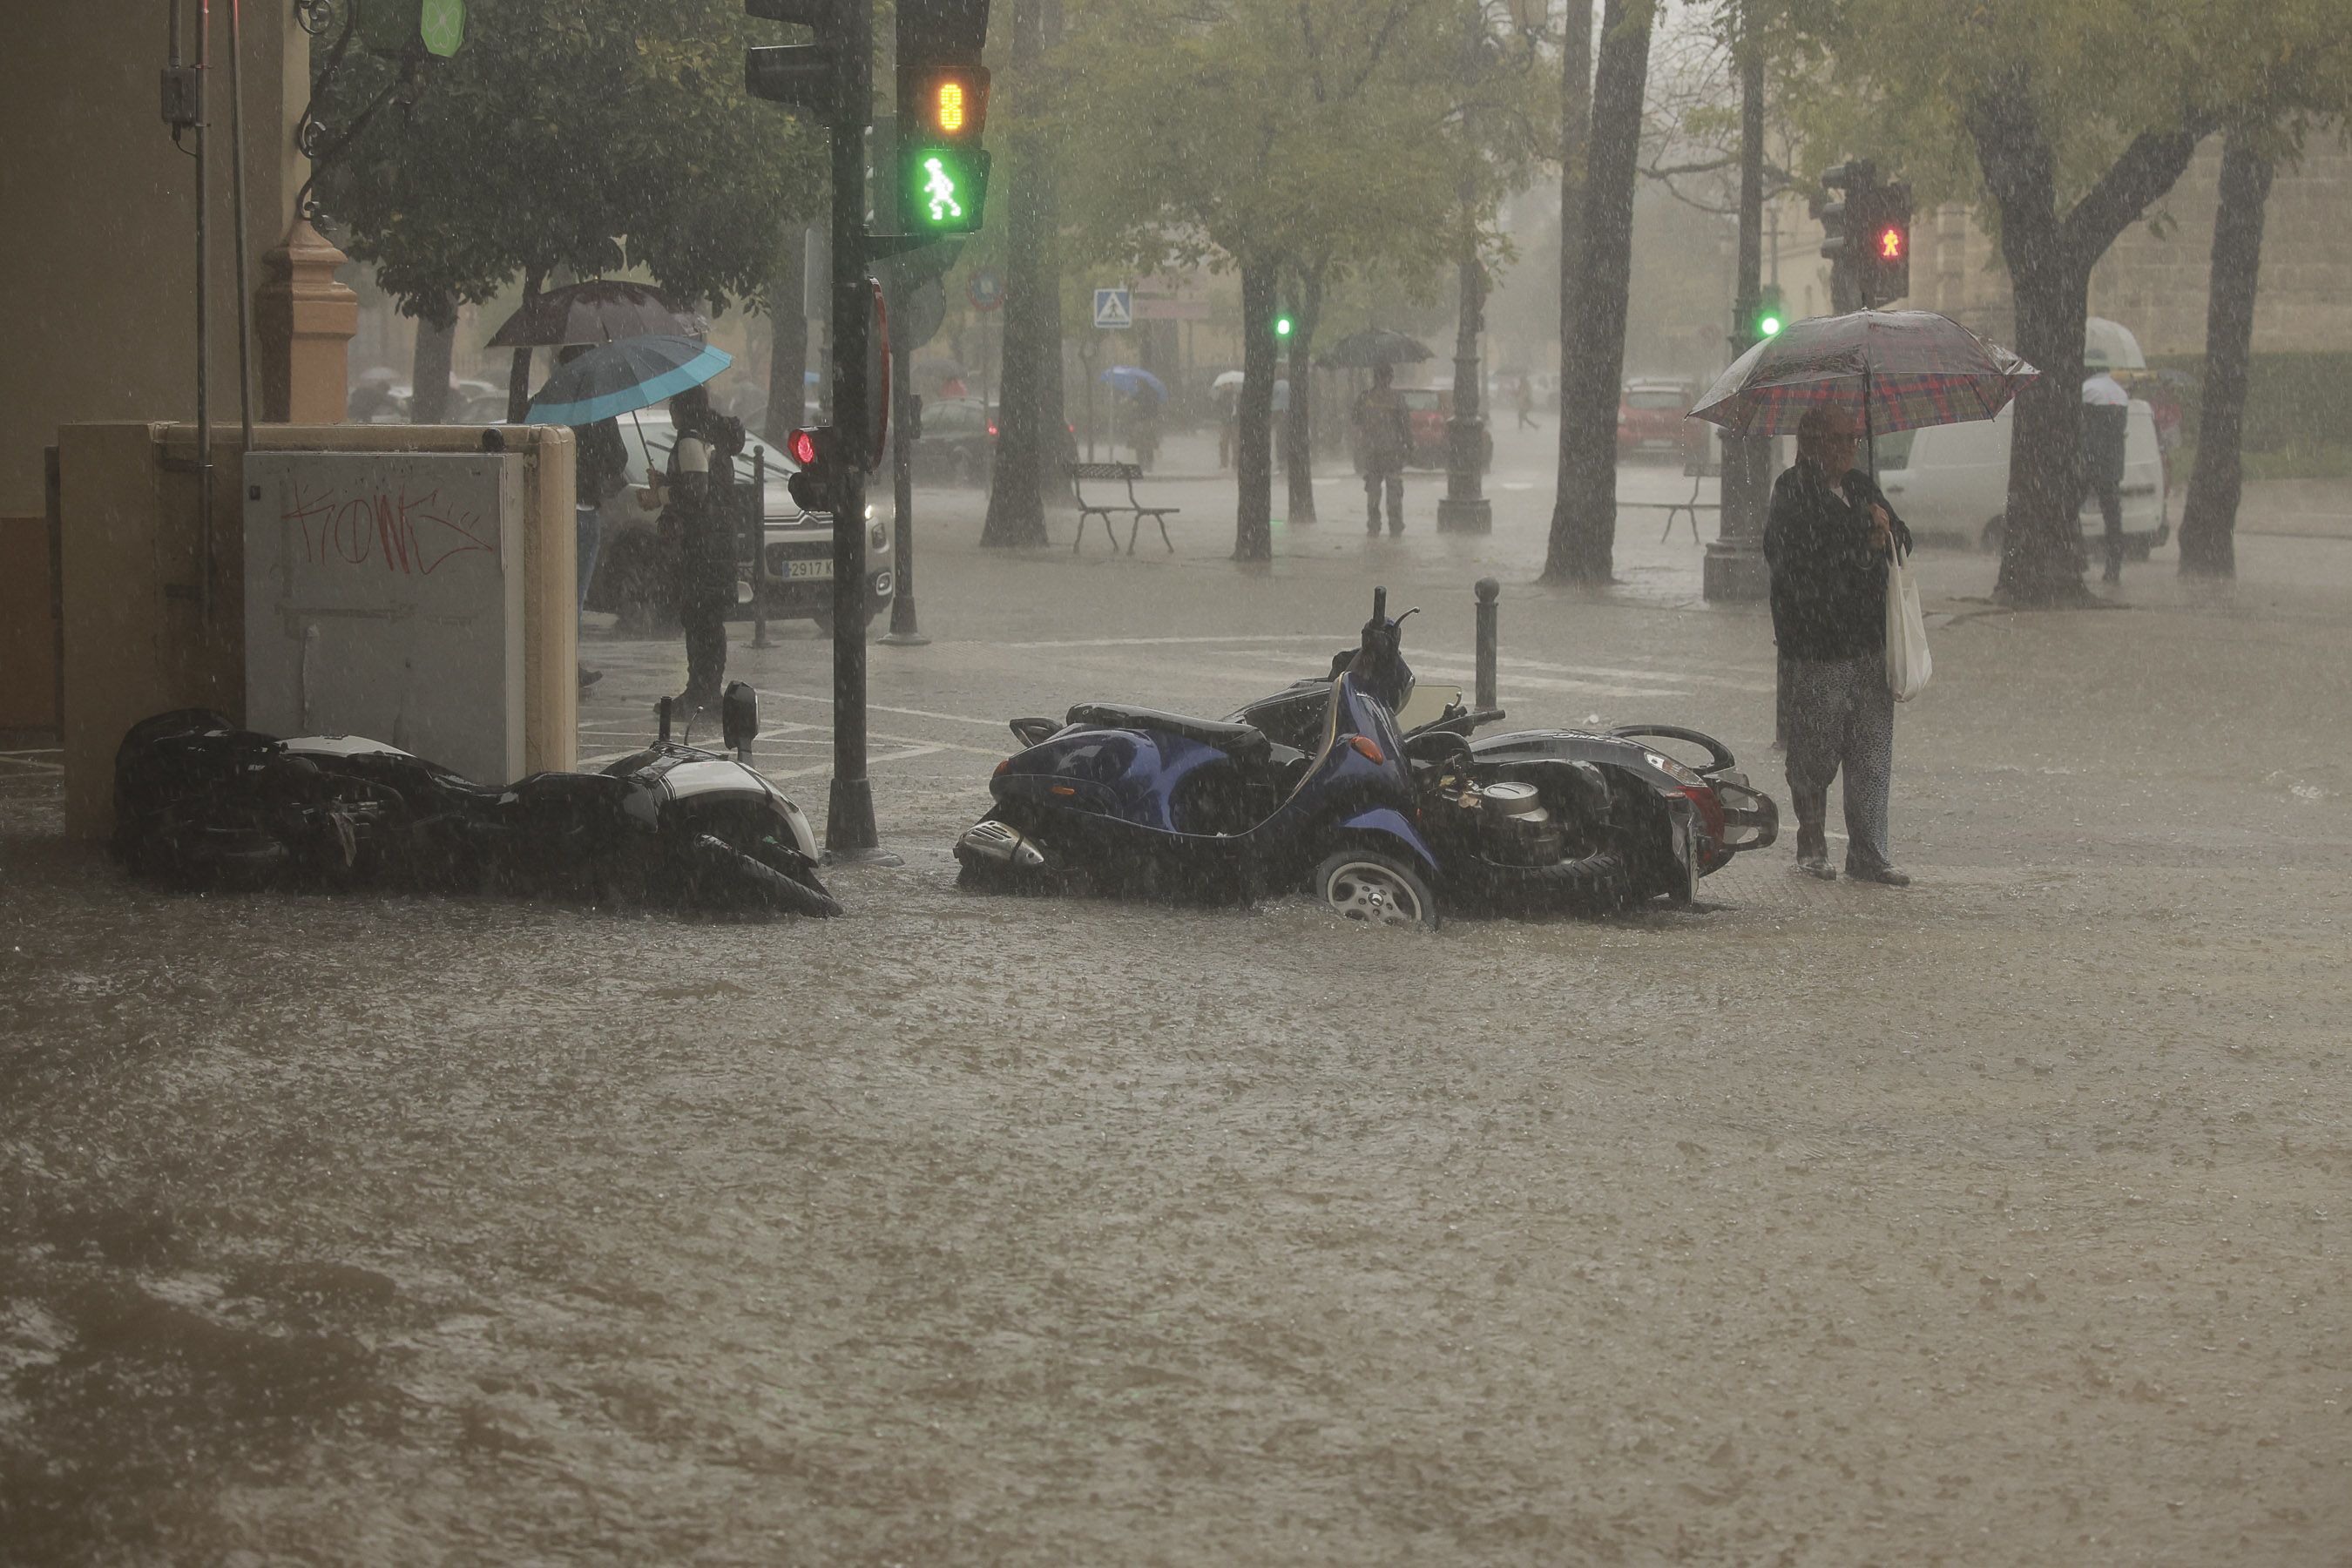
point(1110, 473)
point(1698, 471)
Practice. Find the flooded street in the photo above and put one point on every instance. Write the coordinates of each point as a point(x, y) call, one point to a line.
point(1997, 1220)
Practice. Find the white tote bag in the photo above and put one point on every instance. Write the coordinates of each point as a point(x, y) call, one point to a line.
point(1908, 665)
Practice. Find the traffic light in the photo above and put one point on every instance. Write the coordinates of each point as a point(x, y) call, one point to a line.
point(1770, 315)
point(1887, 248)
point(816, 486)
point(1283, 326)
point(801, 76)
point(943, 111)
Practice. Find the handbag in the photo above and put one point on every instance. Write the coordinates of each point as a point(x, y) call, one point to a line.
point(1908, 665)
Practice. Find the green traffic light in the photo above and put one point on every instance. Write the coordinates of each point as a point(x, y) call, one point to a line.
point(1282, 326)
point(942, 189)
point(939, 192)
point(1768, 326)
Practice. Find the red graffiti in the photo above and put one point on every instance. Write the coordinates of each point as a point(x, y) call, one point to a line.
point(410, 536)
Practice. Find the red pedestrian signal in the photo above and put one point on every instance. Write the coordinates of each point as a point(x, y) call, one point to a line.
point(1890, 245)
point(816, 488)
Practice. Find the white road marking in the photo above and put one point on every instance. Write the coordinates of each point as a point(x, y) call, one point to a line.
point(881, 707)
point(1336, 639)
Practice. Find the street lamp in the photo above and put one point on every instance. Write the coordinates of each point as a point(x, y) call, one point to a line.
point(1464, 509)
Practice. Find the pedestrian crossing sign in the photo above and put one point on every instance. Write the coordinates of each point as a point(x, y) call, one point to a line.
point(1113, 309)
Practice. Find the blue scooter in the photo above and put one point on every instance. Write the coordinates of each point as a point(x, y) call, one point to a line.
point(1133, 800)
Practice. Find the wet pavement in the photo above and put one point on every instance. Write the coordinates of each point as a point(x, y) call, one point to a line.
point(1995, 1220)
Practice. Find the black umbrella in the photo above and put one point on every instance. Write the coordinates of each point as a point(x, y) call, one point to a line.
point(601, 311)
point(1373, 345)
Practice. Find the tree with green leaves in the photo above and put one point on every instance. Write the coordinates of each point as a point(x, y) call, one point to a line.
point(571, 135)
point(1272, 136)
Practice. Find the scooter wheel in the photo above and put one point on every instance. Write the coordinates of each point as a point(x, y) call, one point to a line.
point(1376, 889)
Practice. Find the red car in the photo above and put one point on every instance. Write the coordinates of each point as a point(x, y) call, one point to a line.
point(1650, 422)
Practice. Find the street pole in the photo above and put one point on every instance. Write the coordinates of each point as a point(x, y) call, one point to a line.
point(849, 831)
point(1734, 569)
point(1462, 508)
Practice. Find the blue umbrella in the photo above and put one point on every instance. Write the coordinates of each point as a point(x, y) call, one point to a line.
point(1126, 378)
point(621, 378)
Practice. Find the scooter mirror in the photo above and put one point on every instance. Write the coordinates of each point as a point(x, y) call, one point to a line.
point(739, 715)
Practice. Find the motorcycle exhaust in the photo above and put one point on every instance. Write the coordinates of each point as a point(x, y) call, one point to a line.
point(1006, 845)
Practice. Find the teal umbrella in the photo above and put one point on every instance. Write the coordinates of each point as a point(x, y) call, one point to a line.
point(621, 378)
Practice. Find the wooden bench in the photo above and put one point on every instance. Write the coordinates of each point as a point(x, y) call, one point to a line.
point(1106, 473)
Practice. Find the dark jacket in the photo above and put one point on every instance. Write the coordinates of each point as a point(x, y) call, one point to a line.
point(2105, 432)
point(705, 512)
point(599, 462)
point(1829, 586)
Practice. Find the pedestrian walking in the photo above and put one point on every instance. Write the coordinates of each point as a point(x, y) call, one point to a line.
point(1827, 540)
point(1383, 435)
point(1228, 400)
point(699, 513)
point(1527, 403)
point(2106, 416)
point(600, 469)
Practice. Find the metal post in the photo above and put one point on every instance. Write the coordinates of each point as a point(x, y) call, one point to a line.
point(237, 207)
point(904, 630)
point(849, 831)
point(203, 305)
point(1488, 590)
point(760, 547)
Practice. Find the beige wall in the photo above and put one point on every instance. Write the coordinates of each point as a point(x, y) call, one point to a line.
point(97, 216)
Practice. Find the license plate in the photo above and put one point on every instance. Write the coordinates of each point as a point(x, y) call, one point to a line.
point(804, 569)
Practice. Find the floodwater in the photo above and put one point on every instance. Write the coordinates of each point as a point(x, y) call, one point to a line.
point(2000, 1220)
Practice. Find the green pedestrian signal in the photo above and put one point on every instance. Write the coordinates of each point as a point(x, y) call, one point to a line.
point(942, 189)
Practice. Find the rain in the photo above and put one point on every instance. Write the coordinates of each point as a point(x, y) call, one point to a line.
point(1176, 781)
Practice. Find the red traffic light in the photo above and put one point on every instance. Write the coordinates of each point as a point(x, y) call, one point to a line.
point(803, 446)
point(1890, 243)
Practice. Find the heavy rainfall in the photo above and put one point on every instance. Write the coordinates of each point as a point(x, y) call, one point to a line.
point(1176, 781)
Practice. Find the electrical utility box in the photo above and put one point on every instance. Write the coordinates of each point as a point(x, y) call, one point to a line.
point(383, 597)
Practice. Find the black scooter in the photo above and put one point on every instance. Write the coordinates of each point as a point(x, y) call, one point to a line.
point(201, 804)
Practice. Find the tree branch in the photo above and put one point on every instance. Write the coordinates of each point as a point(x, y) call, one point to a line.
point(2148, 169)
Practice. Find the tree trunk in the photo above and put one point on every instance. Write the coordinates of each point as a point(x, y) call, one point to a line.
point(1297, 427)
point(1029, 394)
point(428, 376)
point(788, 342)
point(1254, 458)
point(518, 377)
point(1584, 514)
point(1575, 129)
point(2050, 260)
point(2209, 524)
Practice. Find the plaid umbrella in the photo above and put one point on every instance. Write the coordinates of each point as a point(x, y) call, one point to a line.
point(1898, 369)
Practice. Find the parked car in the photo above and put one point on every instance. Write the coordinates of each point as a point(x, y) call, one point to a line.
point(1951, 481)
point(636, 573)
point(1427, 408)
point(1651, 423)
point(958, 446)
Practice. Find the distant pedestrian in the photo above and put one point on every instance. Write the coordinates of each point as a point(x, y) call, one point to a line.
point(1228, 399)
point(2106, 421)
point(1383, 435)
point(700, 514)
point(1143, 426)
point(1527, 403)
point(1827, 540)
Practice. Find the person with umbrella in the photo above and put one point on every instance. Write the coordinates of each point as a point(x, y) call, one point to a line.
point(699, 506)
point(1830, 534)
point(1827, 540)
point(1383, 432)
point(601, 479)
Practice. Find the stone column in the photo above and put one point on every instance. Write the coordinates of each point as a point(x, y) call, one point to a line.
point(304, 320)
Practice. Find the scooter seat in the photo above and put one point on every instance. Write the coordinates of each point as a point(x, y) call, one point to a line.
point(1243, 742)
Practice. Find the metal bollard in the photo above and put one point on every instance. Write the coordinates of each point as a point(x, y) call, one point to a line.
point(760, 548)
point(1488, 590)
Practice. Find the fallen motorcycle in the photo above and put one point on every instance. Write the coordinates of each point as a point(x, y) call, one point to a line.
point(204, 804)
point(1123, 799)
point(1531, 822)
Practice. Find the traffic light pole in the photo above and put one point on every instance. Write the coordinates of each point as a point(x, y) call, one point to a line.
point(849, 831)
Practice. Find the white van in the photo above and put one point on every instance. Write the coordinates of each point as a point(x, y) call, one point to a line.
point(1950, 482)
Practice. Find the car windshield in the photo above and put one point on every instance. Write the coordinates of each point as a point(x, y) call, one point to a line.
point(1654, 397)
point(1419, 398)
